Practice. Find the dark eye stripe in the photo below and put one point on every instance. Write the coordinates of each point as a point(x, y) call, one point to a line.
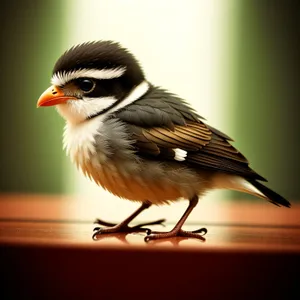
point(117, 88)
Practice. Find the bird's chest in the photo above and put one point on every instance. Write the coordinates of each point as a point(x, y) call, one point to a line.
point(79, 141)
point(89, 148)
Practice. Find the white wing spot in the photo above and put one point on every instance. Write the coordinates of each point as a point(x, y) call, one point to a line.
point(180, 154)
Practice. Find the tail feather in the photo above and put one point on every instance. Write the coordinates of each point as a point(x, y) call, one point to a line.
point(272, 196)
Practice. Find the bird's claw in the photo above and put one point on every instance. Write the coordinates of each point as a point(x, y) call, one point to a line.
point(125, 228)
point(114, 228)
point(94, 236)
point(202, 231)
point(199, 233)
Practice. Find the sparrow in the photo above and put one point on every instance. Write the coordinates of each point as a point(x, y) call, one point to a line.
point(139, 141)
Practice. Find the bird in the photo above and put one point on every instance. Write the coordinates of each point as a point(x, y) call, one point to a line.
point(139, 141)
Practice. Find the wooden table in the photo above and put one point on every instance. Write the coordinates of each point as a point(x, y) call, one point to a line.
point(251, 252)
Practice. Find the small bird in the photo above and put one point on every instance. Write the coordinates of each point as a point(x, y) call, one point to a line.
point(139, 141)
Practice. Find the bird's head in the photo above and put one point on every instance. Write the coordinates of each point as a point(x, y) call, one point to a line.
point(93, 79)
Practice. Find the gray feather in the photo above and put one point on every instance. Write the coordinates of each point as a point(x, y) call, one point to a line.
point(158, 108)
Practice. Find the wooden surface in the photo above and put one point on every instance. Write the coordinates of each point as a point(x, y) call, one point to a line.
point(252, 251)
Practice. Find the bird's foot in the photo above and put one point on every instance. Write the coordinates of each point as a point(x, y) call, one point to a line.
point(122, 228)
point(154, 235)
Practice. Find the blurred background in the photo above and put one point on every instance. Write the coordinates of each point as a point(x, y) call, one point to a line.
point(236, 62)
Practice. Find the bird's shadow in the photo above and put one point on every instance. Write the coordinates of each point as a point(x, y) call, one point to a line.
point(123, 238)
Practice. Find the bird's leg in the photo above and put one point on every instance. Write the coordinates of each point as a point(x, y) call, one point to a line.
point(123, 226)
point(177, 231)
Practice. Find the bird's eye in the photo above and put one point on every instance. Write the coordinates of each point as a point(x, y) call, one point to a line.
point(86, 85)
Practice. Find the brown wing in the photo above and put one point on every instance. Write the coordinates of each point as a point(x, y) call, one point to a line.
point(161, 122)
point(205, 147)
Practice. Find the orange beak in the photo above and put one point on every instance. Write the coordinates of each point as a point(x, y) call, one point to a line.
point(53, 96)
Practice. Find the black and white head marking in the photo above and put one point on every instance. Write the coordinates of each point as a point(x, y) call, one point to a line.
point(102, 75)
point(60, 78)
point(102, 55)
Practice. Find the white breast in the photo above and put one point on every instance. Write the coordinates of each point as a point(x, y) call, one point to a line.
point(80, 134)
point(79, 139)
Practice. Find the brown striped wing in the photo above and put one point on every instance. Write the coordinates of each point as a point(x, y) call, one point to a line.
point(161, 122)
point(206, 147)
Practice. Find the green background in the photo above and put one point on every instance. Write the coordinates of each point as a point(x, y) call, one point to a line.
point(265, 89)
point(31, 157)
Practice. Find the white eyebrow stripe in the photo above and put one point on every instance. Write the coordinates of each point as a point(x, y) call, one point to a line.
point(61, 78)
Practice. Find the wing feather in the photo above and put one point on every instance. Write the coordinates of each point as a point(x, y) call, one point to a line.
point(169, 123)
